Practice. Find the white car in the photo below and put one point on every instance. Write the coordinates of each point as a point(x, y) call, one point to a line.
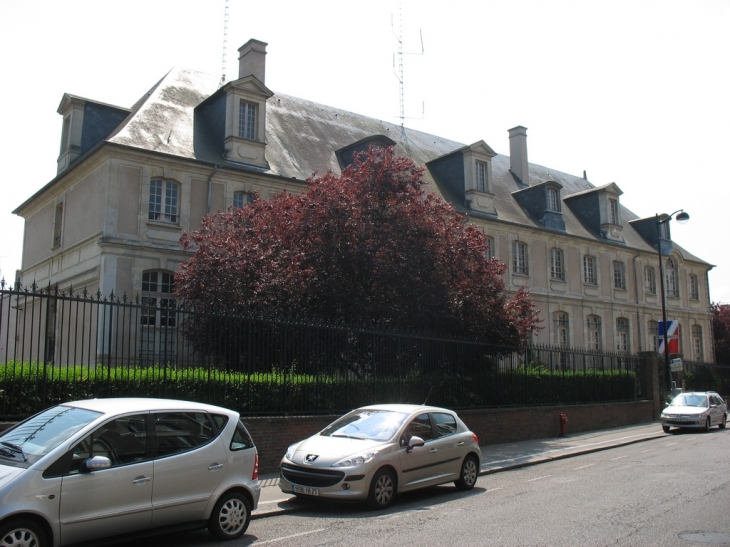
point(374, 452)
point(87, 470)
point(695, 409)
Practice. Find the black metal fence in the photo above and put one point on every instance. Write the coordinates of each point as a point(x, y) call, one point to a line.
point(58, 346)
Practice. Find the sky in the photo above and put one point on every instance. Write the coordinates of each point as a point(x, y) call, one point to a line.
point(635, 92)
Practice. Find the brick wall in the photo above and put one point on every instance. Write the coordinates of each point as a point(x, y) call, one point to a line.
point(273, 435)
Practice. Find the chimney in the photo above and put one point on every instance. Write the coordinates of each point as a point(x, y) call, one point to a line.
point(252, 60)
point(518, 154)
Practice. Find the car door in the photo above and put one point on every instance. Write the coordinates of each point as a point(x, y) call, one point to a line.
point(112, 501)
point(191, 461)
point(421, 465)
point(716, 410)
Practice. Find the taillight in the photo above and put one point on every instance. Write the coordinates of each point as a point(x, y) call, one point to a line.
point(476, 439)
point(255, 468)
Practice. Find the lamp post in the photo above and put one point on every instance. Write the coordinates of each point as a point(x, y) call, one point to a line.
point(682, 218)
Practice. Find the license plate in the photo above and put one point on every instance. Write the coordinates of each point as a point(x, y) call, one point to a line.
point(306, 490)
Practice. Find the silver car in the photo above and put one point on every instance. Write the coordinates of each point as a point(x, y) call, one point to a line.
point(86, 470)
point(696, 409)
point(374, 452)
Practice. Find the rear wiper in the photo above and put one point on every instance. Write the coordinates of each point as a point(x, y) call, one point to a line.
point(16, 449)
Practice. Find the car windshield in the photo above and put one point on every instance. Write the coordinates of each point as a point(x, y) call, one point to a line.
point(690, 399)
point(32, 439)
point(374, 425)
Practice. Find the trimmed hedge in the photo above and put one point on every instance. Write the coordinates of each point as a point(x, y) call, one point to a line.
point(27, 388)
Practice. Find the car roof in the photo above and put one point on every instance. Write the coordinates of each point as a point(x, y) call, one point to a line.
point(139, 404)
point(408, 408)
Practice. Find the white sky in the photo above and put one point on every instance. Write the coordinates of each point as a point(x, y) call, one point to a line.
point(633, 91)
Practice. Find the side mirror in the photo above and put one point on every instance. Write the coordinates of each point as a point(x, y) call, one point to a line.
point(95, 464)
point(413, 443)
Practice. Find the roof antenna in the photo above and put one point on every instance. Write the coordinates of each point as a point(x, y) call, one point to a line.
point(399, 72)
point(427, 396)
point(225, 44)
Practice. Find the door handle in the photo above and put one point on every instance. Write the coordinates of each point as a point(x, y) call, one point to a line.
point(141, 480)
point(434, 450)
point(461, 443)
point(214, 466)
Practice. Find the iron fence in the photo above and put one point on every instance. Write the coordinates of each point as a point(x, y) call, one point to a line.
point(63, 345)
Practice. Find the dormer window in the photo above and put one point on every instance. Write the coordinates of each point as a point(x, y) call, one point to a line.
point(553, 201)
point(481, 176)
point(613, 217)
point(247, 120)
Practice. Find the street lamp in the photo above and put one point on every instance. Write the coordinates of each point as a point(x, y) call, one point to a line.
point(682, 218)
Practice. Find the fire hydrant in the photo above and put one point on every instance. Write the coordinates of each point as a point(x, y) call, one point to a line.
point(563, 424)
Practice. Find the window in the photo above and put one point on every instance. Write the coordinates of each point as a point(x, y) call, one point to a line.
point(694, 287)
point(589, 270)
point(556, 264)
point(445, 424)
point(670, 278)
point(613, 216)
point(649, 280)
point(158, 318)
point(182, 431)
point(519, 258)
point(420, 426)
point(241, 199)
point(490, 247)
point(481, 176)
point(163, 201)
point(653, 330)
point(561, 323)
point(65, 133)
point(622, 334)
point(553, 203)
point(619, 275)
point(241, 439)
point(696, 343)
point(247, 120)
point(664, 230)
point(123, 441)
point(58, 225)
point(593, 324)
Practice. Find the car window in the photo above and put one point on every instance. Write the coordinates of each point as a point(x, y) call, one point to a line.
point(182, 431)
point(32, 439)
point(376, 425)
point(445, 424)
point(220, 420)
point(420, 426)
point(690, 399)
point(123, 441)
point(241, 439)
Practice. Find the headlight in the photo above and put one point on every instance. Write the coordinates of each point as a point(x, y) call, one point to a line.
point(290, 451)
point(354, 461)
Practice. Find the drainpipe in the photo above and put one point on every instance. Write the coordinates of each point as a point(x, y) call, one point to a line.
point(636, 292)
point(210, 186)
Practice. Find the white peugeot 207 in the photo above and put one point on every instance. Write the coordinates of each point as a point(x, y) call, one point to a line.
point(374, 452)
point(87, 470)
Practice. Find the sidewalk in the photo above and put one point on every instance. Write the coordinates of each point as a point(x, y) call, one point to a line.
point(495, 458)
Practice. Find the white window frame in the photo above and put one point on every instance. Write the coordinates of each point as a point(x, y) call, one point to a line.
point(670, 278)
point(552, 197)
point(613, 212)
point(593, 329)
point(247, 120)
point(697, 343)
point(623, 331)
point(619, 275)
point(480, 176)
point(649, 280)
point(519, 258)
point(164, 201)
point(557, 264)
point(694, 287)
point(158, 318)
point(590, 271)
point(241, 199)
point(561, 322)
point(490, 247)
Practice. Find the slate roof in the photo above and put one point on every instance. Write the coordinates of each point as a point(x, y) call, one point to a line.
point(303, 136)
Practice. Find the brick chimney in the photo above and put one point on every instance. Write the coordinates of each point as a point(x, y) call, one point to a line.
point(518, 154)
point(252, 60)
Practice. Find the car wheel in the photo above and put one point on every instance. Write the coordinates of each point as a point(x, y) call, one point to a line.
point(21, 533)
point(723, 421)
point(707, 426)
point(665, 428)
point(469, 474)
point(230, 517)
point(382, 490)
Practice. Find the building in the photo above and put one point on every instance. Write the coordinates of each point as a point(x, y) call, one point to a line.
point(131, 180)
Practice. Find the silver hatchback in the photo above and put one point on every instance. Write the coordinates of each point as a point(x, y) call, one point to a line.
point(374, 452)
point(86, 470)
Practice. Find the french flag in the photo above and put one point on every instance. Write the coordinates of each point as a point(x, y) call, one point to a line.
point(672, 333)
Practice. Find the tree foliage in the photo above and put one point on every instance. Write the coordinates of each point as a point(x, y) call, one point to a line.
point(721, 332)
point(369, 247)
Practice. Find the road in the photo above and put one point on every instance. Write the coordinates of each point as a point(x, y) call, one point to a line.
point(644, 494)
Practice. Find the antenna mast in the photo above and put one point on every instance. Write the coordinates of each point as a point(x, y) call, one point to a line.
point(225, 44)
point(399, 73)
